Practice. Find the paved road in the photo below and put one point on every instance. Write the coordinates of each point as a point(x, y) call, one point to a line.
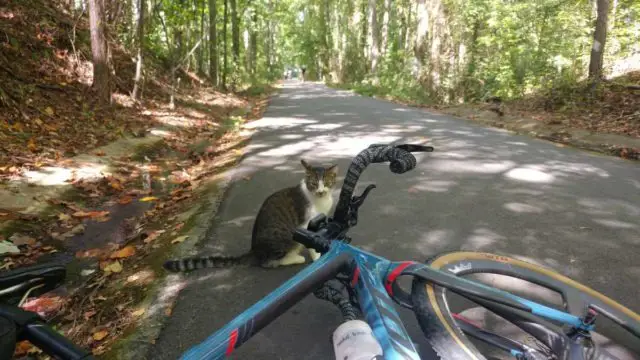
point(483, 189)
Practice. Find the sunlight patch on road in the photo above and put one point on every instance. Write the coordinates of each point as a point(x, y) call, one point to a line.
point(325, 126)
point(481, 239)
point(530, 175)
point(278, 123)
point(469, 166)
point(522, 208)
point(616, 224)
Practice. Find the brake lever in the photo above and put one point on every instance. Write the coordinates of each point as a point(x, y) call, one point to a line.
point(356, 202)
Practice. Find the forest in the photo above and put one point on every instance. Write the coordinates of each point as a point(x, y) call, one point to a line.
point(437, 51)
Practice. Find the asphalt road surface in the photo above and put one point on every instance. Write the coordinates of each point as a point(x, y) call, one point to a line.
point(483, 189)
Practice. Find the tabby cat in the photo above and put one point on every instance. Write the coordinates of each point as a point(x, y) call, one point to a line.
point(272, 243)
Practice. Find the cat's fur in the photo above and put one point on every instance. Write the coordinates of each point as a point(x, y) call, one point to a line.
point(272, 243)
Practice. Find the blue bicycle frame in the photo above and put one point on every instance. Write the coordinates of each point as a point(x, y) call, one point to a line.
point(373, 279)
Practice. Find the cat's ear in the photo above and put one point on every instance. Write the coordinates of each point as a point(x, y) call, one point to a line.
point(305, 164)
point(333, 168)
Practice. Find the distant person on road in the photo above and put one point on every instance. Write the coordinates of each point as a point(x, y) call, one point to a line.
point(304, 70)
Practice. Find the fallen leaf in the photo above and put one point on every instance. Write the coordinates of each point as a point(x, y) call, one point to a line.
point(20, 239)
point(100, 335)
point(114, 267)
point(23, 348)
point(87, 272)
point(116, 185)
point(168, 311)
point(49, 111)
point(90, 214)
point(99, 153)
point(138, 312)
point(152, 236)
point(125, 200)
point(64, 217)
point(87, 315)
point(149, 198)
point(125, 252)
point(78, 229)
point(44, 305)
point(179, 239)
point(89, 253)
point(8, 247)
point(31, 145)
point(4, 214)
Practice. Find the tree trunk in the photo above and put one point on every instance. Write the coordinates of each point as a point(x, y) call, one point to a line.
point(202, 49)
point(235, 33)
point(372, 36)
point(213, 43)
point(269, 43)
point(224, 39)
point(140, 41)
point(99, 51)
point(599, 40)
point(253, 44)
point(385, 27)
point(420, 47)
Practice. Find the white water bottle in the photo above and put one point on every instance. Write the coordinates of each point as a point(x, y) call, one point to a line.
point(354, 340)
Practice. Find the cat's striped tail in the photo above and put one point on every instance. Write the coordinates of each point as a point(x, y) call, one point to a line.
point(195, 263)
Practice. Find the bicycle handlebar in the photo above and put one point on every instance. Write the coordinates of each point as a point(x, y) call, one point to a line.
point(400, 158)
point(54, 343)
point(29, 326)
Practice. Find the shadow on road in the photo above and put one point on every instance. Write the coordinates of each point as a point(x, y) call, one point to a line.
point(482, 189)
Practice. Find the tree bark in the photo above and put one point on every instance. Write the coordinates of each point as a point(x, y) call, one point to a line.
point(202, 49)
point(101, 79)
point(224, 38)
point(420, 47)
point(372, 36)
point(385, 27)
point(253, 44)
point(599, 40)
point(235, 33)
point(213, 43)
point(140, 41)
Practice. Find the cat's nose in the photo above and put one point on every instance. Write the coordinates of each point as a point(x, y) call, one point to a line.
point(321, 193)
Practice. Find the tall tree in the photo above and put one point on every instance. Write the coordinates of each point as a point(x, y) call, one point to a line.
point(599, 40)
point(385, 27)
point(253, 43)
point(140, 42)
point(202, 48)
point(224, 38)
point(235, 33)
point(420, 47)
point(372, 36)
point(99, 51)
point(213, 43)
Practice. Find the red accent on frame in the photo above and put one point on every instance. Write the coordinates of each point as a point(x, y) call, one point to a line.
point(232, 342)
point(394, 274)
point(356, 275)
point(462, 318)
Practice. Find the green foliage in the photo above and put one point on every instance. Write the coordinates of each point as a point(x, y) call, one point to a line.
point(470, 48)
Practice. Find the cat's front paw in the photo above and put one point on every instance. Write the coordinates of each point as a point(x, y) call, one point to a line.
point(314, 254)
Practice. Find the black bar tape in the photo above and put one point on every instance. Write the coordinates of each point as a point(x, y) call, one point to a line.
point(400, 160)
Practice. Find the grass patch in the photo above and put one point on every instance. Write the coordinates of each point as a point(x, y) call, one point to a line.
point(407, 95)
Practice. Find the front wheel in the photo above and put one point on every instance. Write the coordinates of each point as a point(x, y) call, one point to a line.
point(439, 326)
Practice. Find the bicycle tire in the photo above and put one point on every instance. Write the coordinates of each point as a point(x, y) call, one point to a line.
point(446, 337)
